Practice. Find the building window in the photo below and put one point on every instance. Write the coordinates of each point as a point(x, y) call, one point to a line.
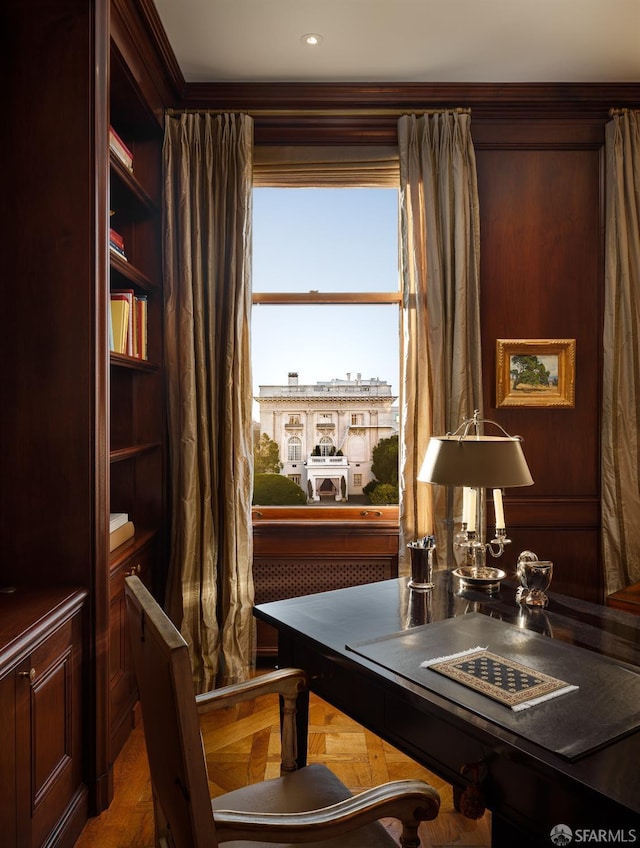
point(325, 418)
point(357, 419)
point(294, 449)
point(326, 446)
point(294, 419)
point(295, 478)
point(357, 479)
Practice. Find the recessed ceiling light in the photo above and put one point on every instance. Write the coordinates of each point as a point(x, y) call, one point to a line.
point(312, 39)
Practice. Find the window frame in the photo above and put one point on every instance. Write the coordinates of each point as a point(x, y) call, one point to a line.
point(388, 514)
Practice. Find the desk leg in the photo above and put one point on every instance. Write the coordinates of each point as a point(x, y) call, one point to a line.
point(302, 728)
point(285, 660)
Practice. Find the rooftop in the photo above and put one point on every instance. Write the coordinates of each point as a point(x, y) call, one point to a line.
point(370, 388)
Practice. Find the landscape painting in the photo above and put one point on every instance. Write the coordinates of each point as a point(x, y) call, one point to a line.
point(535, 372)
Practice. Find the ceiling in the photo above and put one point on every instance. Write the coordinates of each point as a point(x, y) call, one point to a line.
point(405, 40)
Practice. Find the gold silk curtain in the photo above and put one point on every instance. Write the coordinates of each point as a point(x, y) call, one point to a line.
point(441, 370)
point(621, 362)
point(207, 266)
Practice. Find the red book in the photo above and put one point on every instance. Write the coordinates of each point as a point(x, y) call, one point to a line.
point(116, 239)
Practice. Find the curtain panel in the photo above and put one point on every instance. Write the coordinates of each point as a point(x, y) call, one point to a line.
point(441, 370)
point(207, 266)
point(621, 362)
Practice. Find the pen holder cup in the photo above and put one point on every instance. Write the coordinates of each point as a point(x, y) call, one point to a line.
point(421, 565)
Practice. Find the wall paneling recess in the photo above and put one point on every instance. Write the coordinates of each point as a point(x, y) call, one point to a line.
point(82, 432)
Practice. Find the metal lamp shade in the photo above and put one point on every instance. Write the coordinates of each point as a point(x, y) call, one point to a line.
point(492, 462)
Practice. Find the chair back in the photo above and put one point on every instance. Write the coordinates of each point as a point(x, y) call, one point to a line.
point(182, 802)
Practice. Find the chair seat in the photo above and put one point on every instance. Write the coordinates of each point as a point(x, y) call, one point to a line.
point(308, 788)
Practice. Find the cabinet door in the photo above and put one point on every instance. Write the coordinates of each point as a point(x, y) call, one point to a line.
point(48, 732)
point(123, 687)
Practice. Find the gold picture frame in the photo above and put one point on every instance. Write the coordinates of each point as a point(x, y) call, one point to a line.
point(535, 372)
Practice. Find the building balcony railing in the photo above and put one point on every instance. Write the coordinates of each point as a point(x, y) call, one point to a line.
point(327, 460)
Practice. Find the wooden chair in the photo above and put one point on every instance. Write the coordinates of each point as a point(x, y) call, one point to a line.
point(308, 805)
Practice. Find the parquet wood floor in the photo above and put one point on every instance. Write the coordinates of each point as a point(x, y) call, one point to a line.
point(242, 746)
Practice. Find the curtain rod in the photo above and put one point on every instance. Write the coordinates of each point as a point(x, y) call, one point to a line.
point(322, 113)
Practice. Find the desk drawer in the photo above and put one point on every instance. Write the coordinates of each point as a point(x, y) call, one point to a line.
point(355, 694)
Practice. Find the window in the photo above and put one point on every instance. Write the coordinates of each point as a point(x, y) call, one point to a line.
point(294, 449)
point(295, 478)
point(326, 446)
point(357, 479)
point(325, 328)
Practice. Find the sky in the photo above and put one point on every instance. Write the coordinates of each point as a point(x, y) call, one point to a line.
point(326, 240)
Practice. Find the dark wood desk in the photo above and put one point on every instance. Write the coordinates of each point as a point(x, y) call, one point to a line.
point(529, 789)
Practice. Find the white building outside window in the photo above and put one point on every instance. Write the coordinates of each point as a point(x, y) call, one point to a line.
point(336, 465)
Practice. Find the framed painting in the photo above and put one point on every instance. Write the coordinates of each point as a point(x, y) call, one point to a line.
point(535, 372)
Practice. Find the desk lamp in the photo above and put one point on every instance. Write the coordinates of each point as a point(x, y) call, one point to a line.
point(477, 463)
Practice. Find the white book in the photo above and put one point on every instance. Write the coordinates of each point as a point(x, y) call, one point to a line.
point(117, 519)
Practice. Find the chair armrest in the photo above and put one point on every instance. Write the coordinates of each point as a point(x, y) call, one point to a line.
point(288, 683)
point(410, 801)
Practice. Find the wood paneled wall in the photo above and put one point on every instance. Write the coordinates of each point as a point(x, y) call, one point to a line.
point(541, 209)
point(540, 158)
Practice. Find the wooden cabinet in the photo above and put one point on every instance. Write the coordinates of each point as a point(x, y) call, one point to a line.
point(136, 558)
point(82, 429)
point(44, 797)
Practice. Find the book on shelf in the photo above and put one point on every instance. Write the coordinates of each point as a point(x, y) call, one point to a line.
point(141, 327)
point(117, 519)
point(128, 323)
point(120, 149)
point(116, 243)
point(111, 341)
point(121, 535)
point(119, 309)
point(116, 239)
point(118, 250)
point(129, 296)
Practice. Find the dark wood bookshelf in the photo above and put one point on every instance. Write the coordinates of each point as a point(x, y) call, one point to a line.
point(137, 465)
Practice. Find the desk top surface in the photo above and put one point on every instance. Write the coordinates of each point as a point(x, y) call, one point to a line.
point(332, 621)
point(360, 613)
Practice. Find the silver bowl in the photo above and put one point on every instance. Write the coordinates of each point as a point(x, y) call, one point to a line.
point(483, 577)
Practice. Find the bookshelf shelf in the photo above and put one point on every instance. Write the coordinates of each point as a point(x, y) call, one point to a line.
point(133, 451)
point(121, 360)
point(126, 181)
point(130, 273)
point(130, 547)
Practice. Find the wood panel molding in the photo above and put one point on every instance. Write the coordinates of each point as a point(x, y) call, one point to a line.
point(497, 99)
